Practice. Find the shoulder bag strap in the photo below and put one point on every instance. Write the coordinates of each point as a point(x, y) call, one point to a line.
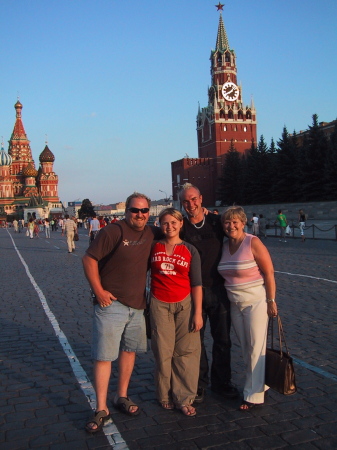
point(281, 335)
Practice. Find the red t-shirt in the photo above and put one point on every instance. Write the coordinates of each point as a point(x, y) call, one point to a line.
point(172, 276)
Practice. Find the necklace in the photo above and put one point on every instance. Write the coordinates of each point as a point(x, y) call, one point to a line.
point(202, 223)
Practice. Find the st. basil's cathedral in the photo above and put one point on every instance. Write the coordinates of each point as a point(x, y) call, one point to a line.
point(223, 124)
point(24, 190)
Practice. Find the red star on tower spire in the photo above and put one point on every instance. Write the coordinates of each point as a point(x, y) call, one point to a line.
point(219, 6)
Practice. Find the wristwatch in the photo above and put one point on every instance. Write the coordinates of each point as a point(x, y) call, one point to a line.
point(270, 300)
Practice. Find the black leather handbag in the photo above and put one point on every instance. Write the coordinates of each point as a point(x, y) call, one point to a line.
point(280, 373)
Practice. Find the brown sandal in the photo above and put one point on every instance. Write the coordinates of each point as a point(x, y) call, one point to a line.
point(99, 419)
point(124, 405)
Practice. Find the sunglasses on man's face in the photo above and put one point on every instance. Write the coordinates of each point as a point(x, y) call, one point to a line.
point(137, 210)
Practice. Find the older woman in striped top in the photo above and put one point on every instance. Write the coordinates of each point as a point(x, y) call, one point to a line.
point(248, 271)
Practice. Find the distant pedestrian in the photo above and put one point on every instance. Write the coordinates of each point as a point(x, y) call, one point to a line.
point(262, 226)
point(215, 211)
point(94, 227)
point(36, 229)
point(102, 222)
point(15, 225)
point(69, 228)
point(282, 220)
point(255, 224)
point(47, 228)
point(301, 221)
point(30, 228)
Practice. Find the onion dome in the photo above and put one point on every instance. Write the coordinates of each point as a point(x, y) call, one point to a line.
point(18, 105)
point(29, 171)
point(47, 155)
point(5, 158)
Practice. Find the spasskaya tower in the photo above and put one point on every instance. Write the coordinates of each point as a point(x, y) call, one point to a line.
point(225, 121)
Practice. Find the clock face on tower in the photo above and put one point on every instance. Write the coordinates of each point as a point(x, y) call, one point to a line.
point(230, 91)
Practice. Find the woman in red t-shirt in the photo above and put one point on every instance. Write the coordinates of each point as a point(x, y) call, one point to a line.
point(176, 317)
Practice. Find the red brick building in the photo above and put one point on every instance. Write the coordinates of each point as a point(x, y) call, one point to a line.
point(224, 120)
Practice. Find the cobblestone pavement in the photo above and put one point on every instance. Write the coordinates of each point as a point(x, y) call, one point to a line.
point(46, 397)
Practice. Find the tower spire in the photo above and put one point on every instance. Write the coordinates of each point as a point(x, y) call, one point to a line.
point(221, 39)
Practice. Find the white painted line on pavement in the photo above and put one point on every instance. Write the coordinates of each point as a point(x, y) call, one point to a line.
point(315, 369)
point(322, 372)
point(306, 276)
point(110, 430)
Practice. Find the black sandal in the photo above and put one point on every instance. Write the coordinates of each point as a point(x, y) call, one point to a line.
point(99, 419)
point(247, 406)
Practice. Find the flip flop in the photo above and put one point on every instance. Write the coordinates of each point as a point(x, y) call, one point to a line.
point(123, 404)
point(99, 418)
point(167, 405)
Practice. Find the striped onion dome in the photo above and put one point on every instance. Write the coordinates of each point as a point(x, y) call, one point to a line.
point(5, 158)
point(47, 155)
point(29, 171)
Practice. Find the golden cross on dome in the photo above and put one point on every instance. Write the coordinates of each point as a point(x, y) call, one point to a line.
point(220, 6)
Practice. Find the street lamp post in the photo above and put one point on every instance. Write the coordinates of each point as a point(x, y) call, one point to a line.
point(166, 198)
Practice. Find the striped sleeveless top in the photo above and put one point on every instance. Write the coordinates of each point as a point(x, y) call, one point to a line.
point(243, 279)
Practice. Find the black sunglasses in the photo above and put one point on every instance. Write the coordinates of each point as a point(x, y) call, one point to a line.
point(137, 210)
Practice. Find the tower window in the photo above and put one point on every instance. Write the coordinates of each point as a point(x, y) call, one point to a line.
point(244, 128)
point(230, 114)
point(225, 128)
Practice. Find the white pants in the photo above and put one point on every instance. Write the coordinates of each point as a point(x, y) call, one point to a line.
point(250, 322)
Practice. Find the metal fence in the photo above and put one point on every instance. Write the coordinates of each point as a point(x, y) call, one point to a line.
point(313, 231)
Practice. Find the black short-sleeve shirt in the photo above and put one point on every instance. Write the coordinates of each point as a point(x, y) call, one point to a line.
point(208, 240)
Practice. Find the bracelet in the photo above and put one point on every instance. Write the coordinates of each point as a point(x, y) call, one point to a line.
point(270, 300)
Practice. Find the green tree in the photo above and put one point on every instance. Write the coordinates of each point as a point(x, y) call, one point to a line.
point(330, 179)
point(284, 188)
point(272, 169)
point(263, 172)
point(313, 161)
point(86, 209)
point(229, 183)
point(251, 168)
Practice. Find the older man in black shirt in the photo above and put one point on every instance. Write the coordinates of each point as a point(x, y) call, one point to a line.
point(206, 234)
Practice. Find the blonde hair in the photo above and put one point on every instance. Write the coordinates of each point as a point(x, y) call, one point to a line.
point(172, 212)
point(234, 212)
point(186, 186)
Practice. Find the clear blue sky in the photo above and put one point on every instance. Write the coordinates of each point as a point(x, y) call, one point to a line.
point(115, 84)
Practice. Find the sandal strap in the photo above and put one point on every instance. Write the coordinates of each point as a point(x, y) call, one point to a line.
point(99, 418)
